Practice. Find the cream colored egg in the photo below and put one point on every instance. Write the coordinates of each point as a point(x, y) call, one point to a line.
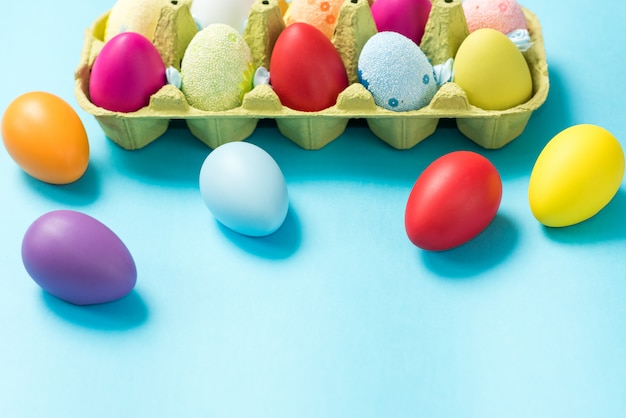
point(492, 71)
point(217, 69)
point(141, 16)
point(168, 24)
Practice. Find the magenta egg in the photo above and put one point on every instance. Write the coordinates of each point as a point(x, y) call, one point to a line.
point(407, 17)
point(77, 258)
point(126, 72)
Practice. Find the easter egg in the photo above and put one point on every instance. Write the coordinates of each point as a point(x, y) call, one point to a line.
point(502, 15)
point(77, 258)
point(454, 199)
point(492, 71)
point(396, 72)
point(126, 72)
point(576, 174)
point(283, 5)
point(168, 24)
point(244, 188)
point(407, 17)
point(217, 69)
point(232, 12)
point(320, 14)
point(46, 138)
point(140, 16)
point(306, 71)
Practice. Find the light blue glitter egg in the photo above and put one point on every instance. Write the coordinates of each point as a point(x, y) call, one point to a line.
point(397, 73)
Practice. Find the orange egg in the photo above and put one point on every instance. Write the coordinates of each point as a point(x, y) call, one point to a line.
point(46, 138)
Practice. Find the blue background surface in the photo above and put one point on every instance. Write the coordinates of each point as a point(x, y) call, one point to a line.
point(337, 314)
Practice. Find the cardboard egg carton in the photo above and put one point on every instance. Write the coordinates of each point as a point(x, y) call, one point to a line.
point(445, 30)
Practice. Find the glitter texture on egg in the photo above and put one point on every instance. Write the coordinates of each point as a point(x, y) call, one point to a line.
point(319, 13)
point(502, 15)
point(168, 24)
point(445, 30)
point(397, 73)
point(217, 69)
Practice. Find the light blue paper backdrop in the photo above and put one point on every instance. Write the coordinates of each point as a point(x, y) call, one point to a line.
point(337, 315)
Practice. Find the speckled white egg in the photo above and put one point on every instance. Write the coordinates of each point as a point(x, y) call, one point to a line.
point(397, 73)
point(244, 188)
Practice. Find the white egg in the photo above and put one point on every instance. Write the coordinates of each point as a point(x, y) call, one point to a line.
point(244, 188)
point(231, 12)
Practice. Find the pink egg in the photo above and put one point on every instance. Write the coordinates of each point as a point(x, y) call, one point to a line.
point(502, 15)
point(407, 17)
point(128, 70)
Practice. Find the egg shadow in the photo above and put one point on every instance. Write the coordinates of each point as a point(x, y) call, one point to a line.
point(481, 254)
point(357, 155)
point(518, 157)
point(82, 192)
point(121, 315)
point(607, 225)
point(174, 159)
point(279, 245)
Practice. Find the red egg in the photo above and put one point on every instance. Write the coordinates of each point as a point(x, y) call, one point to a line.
point(306, 71)
point(126, 72)
point(452, 201)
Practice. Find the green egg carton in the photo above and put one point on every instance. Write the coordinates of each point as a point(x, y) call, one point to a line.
point(445, 30)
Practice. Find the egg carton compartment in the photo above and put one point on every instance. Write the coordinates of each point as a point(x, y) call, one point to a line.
point(445, 31)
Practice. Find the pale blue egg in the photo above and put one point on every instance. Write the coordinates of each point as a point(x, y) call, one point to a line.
point(397, 73)
point(244, 188)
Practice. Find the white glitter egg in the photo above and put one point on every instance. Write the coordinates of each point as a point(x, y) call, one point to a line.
point(396, 72)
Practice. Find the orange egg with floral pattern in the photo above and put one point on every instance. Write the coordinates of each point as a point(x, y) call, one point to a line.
point(319, 13)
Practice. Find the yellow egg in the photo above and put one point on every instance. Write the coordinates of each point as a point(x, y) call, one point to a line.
point(492, 71)
point(284, 5)
point(576, 175)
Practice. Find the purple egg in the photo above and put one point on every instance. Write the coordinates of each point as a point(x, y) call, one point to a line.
point(77, 258)
point(126, 72)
